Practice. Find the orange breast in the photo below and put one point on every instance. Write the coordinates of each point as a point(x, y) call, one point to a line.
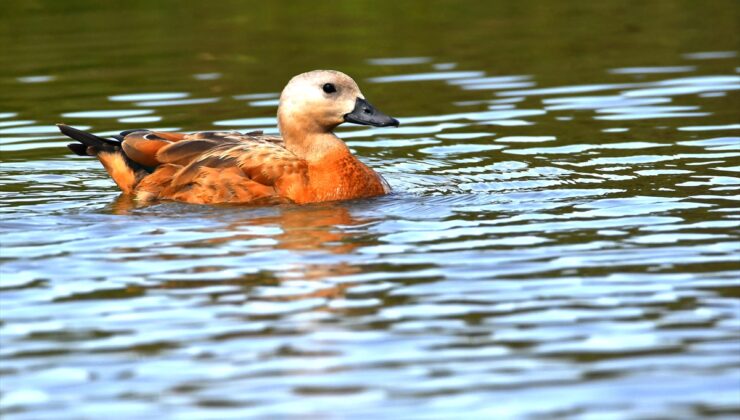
point(245, 173)
point(342, 179)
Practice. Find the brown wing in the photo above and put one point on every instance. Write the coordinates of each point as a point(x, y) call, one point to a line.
point(152, 148)
point(215, 167)
point(261, 161)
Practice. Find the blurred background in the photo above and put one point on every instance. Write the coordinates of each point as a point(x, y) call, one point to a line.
point(562, 239)
point(91, 50)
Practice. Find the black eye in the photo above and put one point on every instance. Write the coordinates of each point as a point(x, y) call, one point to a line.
point(329, 88)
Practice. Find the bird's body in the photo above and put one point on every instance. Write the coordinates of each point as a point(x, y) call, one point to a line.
point(307, 164)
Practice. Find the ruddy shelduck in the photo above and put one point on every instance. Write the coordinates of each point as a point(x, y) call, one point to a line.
point(308, 163)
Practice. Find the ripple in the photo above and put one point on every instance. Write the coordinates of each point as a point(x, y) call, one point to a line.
point(493, 83)
point(207, 76)
point(679, 90)
point(444, 66)
point(138, 120)
point(710, 55)
point(36, 79)
point(615, 130)
point(713, 142)
point(656, 172)
point(377, 143)
point(615, 207)
point(702, 80)
point(268, 95)
point(710, 127)
point(37, 129)
point(245, 122)
point(474, 116)
point(653, 70)
point(16, 123)
point(154, 96)
point(458, 149)
point(119, 113)
point(638, 114)
point(669, 238)
point(419, 77)
point(525, 139)
point(509, 123)
point(490, 79)
point(687, 86)
point(404, 129)
point(265, 103)
point(24, 397)
point(398, 61)
point(599, 102)
point(498, 86)
point(179, 102)
point(577, 148)
point(648, 112)
point(629, 160)
point(463, 136)
point(566, 90)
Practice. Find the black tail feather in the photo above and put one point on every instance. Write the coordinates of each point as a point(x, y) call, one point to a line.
point(90, 145)
point(89, 140)
point(78, 148)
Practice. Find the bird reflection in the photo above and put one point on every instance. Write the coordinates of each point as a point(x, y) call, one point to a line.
point(313, 228)
point(322, 229)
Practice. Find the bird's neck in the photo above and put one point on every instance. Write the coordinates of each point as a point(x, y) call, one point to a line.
point(310, 142)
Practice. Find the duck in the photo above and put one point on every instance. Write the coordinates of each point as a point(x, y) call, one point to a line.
point(306, 164)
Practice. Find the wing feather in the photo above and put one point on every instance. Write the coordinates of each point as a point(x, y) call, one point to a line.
point(213, 166)
point(184, 152)
point(142, 148)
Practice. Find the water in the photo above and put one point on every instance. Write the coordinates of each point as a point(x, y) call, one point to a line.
point(562, 240)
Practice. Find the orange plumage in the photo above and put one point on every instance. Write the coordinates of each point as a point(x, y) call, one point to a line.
point(307, 164)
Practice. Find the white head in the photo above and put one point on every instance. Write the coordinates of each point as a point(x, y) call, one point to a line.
point(320, 100)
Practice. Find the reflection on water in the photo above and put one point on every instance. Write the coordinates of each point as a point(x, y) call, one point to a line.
point(561, 231)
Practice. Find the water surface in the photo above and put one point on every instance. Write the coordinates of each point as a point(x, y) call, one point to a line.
point(562, 240)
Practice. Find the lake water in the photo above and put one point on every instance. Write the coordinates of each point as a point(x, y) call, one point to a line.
point(563, 239)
